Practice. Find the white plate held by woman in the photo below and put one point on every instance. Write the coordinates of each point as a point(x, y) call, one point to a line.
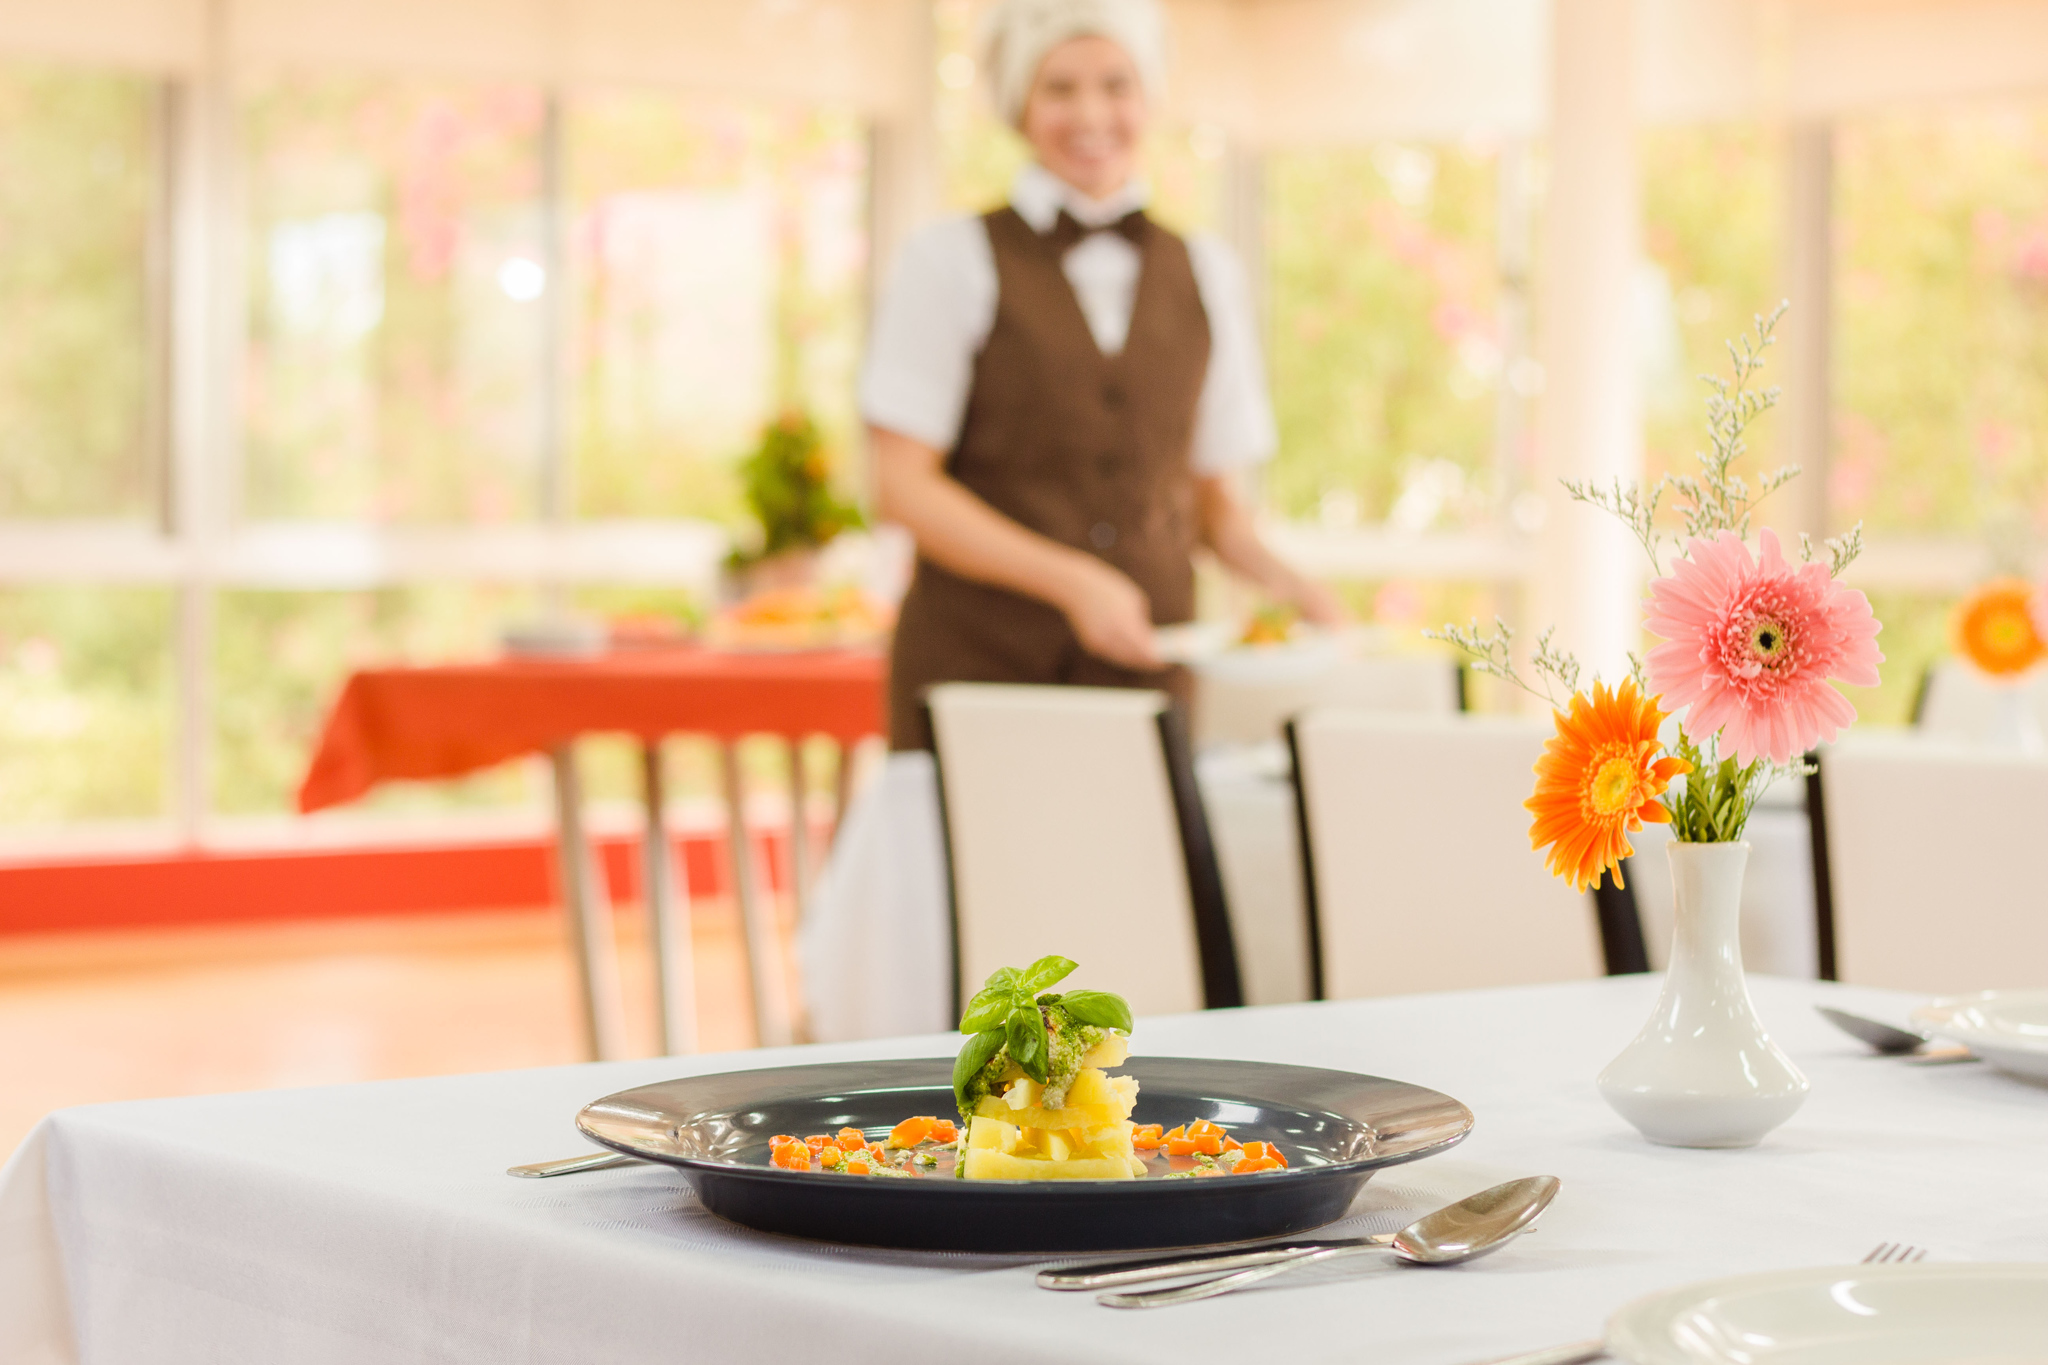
point(1846, 1315)
point(2008, 1029)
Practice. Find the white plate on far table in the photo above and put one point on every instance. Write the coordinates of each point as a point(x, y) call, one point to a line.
point(1212, 650)
point(2008, 1029)
point(1846, 1315)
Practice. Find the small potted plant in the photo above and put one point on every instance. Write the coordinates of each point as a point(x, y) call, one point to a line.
point(787, 483)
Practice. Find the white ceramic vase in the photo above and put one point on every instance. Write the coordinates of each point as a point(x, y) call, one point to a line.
point(1703, 1073)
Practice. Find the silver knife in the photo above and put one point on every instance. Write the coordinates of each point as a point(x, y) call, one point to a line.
point(1108, 1274)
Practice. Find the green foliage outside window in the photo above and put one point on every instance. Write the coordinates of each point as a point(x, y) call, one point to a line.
point(85, 703)
point(1384, 348)
point(78, 176)
point(1712, 228)
point(1941, 349)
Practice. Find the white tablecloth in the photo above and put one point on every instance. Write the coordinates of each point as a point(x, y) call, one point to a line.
point(875, 943)
point(372, 1223)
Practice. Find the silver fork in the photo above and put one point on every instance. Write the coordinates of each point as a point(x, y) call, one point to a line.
point(1894, 1253)
point(1884, 1253)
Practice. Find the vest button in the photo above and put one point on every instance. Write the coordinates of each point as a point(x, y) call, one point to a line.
point(1102, 535)
point(1113, 396)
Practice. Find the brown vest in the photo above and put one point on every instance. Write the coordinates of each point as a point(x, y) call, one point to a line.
point(1090, 450)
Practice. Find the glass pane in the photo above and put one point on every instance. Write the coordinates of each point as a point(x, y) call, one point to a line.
point(280, 659)
point(1712, 213)
point(396, 341)
point(1386, 349)
point(1941, 356)
point(721, 256)
point(85, 703)
point(78, 177)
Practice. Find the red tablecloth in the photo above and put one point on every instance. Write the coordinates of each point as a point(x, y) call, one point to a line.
point(442, 722)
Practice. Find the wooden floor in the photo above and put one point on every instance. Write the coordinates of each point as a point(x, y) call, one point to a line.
point(93, 1017)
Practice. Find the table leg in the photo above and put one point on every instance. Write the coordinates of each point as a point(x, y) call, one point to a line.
point(799, 831)
point(587, 906)
point(842, 784)
point(772, 1026)
point(668, 917)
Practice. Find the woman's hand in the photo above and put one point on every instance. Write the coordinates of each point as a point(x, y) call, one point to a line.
point(1110, 614)
point(1320, 606)
point(1227, 529)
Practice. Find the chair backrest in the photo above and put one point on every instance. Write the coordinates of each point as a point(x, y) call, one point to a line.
point(1416, 848)
point(1242, 707)
point(1930, 878)
point(1073, 826)
point(1956, 702)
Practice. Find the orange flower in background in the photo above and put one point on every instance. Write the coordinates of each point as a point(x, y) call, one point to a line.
point(1994, 628)
point(1599, 778)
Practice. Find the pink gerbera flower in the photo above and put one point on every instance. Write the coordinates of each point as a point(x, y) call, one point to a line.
point(1753, 645)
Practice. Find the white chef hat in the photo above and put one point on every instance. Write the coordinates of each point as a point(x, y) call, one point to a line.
point(1016, 35)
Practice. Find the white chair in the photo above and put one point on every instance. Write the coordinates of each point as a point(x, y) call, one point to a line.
point(1931, 879)
point(1956, 702)
point(1073, 827)
point(1419, 870)
point(1241, 705)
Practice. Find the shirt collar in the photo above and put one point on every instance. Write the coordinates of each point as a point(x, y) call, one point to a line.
point(1038, 196)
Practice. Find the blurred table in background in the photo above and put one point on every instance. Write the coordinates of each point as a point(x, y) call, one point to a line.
point(445, 721)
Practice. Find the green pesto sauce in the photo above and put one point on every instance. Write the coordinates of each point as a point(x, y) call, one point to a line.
point(1068, 1042)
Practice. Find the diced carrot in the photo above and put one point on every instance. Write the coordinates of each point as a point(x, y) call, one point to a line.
point(1147, 1138)
point(829, 1158)
point(780, 1140)
point(818, 1141)
point(877, 1151)
point(791, 1156)
point(1204, 1128)
point(1176, 1134)
point(1209, 1145)
point(857, 1166)
point(1210, 1170)
point(852, 1139)
point(1231, 1144)
point(944, 1130)
point(911, 1131)
point(1252, 1165)
point(1264, 1151)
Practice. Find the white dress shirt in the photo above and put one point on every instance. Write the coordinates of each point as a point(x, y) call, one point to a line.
point(940, 303)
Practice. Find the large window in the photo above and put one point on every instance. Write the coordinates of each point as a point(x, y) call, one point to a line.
point(1386, 347)
point(79, 182)
point(1942, 377)
point(720, 257)
point(395, 333)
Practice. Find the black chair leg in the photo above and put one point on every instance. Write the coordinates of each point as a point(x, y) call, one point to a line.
point(1621, 926)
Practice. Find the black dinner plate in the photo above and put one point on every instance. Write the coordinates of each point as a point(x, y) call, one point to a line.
point(1335, 1127)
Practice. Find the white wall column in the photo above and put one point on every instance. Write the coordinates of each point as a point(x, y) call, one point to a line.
point(1589, 571)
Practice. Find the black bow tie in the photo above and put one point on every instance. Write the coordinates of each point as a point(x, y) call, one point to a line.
point(1067, 231)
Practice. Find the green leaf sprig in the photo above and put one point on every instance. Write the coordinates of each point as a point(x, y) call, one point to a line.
point(1005, 1012)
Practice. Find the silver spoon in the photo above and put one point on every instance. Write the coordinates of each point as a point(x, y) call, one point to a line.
point(1465, 1230)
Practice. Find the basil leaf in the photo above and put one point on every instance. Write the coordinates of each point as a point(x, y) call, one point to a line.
point(1098, 1008)
point(1025, 1036)
point(973, 1057)
point(1044, 974)
point(989, 1007)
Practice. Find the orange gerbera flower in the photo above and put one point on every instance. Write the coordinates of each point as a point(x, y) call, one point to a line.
point(1994, 628)
point(1599, 778)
